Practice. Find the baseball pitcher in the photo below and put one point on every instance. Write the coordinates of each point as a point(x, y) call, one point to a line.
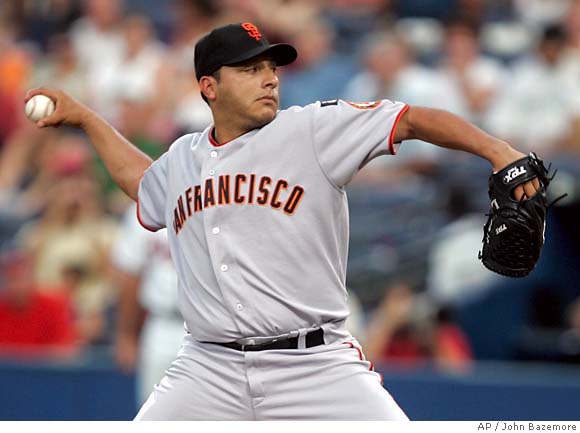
point(257, 218)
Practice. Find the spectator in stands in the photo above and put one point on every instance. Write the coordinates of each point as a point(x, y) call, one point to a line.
point(405, 332)
point(136, 120)
point(392, 336)
point(15, 67)
point(33, 321)
point(70, 243)
point(480, 12)
point(572, 26)
point(472, 79)
point(60, 68)
point(149, 327)
point(352, 19)
point(40, 21)
point(191, 113)
point(541, 13)
point(26, 173)
point(192, 19)
point(141, 71)
point(452, 350)
point(319, 73)
point(279, 18)
point(570, 65)
point(452, 278)
point(98, 42)
point(389, 70)
point(538, 107)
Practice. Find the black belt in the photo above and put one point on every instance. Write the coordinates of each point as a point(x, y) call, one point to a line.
point(313, 338)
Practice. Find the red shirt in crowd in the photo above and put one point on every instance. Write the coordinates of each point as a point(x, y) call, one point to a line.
point(44, 324)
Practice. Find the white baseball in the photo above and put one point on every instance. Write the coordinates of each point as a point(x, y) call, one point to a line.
point(38, 107)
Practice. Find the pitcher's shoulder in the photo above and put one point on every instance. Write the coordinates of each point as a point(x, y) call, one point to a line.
point(187, 142)
point(297, 112)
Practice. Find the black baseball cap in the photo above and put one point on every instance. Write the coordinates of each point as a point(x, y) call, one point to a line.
point(235, 43)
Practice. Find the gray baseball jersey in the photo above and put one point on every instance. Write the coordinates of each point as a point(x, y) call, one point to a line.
point(258, 226)
point(258, 230)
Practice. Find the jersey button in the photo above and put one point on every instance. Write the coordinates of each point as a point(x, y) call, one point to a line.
point(213, 154)
point(212, 172)
point(223, 268)
point(215, 230)
point(239, 307)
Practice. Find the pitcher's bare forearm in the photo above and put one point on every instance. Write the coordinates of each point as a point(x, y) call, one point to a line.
point(125, 162)
point(452, 132)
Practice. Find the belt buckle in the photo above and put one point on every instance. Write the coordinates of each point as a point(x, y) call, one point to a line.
point(293, 334)
point(252, 343)
point(249, 343)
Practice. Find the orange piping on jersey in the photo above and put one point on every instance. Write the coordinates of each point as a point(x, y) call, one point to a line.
point(362, 358)
point(141, 221)
point(213, 141)
point(392, 135)
point(352, 346)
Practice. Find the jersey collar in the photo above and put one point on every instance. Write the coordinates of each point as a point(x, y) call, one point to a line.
point(212, 139)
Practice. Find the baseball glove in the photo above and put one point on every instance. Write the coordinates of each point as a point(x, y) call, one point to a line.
point(513, 236)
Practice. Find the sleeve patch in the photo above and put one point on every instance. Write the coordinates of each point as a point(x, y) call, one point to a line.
point(364, 105)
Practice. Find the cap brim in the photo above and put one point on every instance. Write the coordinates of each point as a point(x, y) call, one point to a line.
point(282, 54)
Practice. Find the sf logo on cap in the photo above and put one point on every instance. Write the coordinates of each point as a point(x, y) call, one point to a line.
point(252, 30)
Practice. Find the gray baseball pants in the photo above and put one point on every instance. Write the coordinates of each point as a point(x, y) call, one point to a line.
point(327, 382)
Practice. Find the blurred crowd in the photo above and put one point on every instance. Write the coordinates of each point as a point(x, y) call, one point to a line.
point(74, 268)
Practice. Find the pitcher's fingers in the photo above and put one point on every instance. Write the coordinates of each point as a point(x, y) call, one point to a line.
point(518, 192)
point(536, 182)
point(529, 189)
point(52, 94)
point(47, 121)
point(54, 119)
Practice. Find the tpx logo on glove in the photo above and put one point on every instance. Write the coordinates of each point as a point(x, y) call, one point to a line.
point(513, 173)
